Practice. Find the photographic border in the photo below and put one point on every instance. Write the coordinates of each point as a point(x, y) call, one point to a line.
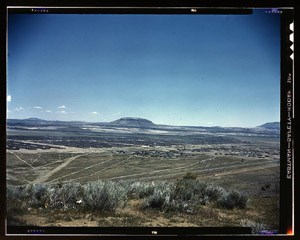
point(287, 119)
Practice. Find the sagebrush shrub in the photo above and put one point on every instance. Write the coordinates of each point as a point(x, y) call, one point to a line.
point(30, 194)
point(64, 195)
point(190, 175)
point(161, 197)
point(157, 200)
point(183, 195)
point(233, 199)
point(214, 193)
point(15, 192)
point(103, 196)
point(137, 189)
point(186, 189)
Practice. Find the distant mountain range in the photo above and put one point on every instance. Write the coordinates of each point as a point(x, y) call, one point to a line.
point(124, 122)
point(132, 125)
point(39, 122)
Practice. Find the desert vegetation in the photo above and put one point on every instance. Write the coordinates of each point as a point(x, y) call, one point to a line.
point(187, 201)
point(185, 196)
point(106, 196)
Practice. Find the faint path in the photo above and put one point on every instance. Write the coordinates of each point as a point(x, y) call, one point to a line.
point(36, 159)
point(224, 169)
point(249, 169)
point(22, 160)
point(45, 177)
point(163, 170)
point(86, 168)
point(104, 169)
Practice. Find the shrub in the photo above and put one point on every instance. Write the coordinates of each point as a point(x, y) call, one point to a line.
point(99, 196)
point(38, 194)
point(190, 175)
point(64, 195)
point(39, 191)
point(192, 193)
point(186, 189)
point(15, 200)
point(185, 195)
point(30, 195)
point(138, 189)
point(103, 196)
point(157, 200)
point(14, 192)
point(266, 186)
point(214, 193)
point(161, 197)
point(233, 199)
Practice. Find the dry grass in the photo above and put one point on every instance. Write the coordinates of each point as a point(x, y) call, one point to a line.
point(72, 196)
point(187, 202)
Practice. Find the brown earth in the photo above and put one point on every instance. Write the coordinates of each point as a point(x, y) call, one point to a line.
point(132, 215)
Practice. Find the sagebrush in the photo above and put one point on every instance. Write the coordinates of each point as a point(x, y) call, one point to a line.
point(186, 195)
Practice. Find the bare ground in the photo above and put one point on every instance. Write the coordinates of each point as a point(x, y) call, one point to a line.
point(260, 210)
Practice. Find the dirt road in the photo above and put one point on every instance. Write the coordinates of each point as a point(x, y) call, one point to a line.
point(45, 177)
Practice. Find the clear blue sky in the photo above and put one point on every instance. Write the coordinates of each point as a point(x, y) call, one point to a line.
point(204, 70)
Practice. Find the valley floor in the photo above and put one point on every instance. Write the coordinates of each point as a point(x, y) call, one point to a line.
point(249, 167)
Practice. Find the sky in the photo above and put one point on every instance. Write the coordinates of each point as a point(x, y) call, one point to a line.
point(186, 70)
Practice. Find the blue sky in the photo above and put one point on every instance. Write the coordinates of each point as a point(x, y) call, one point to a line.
point(204, 70)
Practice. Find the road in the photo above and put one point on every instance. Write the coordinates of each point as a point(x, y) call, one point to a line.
point(45, 177)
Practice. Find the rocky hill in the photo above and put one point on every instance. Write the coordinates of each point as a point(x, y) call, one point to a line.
point(133, 122)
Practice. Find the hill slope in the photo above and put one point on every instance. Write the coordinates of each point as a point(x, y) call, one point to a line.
point(132, 122)
point(271, 125)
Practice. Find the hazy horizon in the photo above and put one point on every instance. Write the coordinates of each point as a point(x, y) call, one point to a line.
point(74, 120)
point(180, 70)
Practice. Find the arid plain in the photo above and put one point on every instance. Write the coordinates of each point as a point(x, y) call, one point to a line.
point(155, 158)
